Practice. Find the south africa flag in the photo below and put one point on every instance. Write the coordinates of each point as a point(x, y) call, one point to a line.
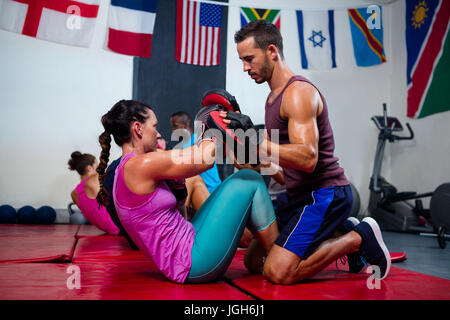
point(251, 14)
point(428, 53)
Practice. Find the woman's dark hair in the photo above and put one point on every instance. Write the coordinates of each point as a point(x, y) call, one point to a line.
point(117, 122)
point(264, 32)
point(79, 161)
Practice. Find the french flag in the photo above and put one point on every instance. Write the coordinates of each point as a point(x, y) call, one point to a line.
point(131, 24)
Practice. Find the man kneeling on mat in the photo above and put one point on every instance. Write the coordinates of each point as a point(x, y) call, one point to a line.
point(320, 197)
point(194, 251)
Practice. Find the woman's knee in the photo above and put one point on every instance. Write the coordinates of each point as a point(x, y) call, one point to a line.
point(249, 176)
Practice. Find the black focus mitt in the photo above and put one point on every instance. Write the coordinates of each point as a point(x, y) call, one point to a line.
point(239, 135)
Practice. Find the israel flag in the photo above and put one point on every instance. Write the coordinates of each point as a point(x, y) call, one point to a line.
point(316, 35)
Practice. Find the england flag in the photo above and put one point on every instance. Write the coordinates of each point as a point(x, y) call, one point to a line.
point(63, 21)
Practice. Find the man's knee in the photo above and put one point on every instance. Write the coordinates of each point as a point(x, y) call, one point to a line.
point(279, 275)
point(281, 266)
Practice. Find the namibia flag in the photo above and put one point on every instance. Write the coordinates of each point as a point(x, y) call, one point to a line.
point(251, 14)
point(367, 37)
point(428, 57)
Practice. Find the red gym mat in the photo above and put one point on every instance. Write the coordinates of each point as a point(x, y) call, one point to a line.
point(106, 248)
point(28, 230)
point(335, 283)
point(87, 230)
point(103, 281)
point(37, 243)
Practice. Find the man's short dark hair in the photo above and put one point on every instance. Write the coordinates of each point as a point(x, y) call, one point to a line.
point(264, 33)
point(183, 115)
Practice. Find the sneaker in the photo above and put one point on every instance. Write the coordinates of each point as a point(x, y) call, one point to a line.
point(373, 250)
point(356, 263)
point(349, 224)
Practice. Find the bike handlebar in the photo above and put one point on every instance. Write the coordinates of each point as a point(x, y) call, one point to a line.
point(411, 134)
point(390, 130)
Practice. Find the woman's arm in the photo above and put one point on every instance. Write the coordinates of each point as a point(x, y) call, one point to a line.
point(74, 196)
point(179, 163)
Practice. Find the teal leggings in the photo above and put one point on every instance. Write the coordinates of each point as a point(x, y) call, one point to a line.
point(240, 200)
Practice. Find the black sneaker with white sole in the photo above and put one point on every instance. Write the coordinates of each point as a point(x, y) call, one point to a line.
point(372, 249)
point(355, 261)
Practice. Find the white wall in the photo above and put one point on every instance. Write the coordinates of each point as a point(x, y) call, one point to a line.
point(354, 94)
point(52, 97)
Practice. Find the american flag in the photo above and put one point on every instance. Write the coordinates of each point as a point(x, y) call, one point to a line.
point(198, 33)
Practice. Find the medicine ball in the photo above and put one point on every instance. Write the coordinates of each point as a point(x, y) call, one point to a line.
point(26, 215)
point(77, 218)
point(356, 202)
point(7, 214)
point(45, 215)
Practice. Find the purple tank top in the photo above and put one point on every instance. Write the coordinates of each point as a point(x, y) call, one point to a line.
point(89, 208)
point(155, 225)
point(327, 172)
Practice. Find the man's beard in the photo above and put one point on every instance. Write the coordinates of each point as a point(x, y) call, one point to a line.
point(265, 72)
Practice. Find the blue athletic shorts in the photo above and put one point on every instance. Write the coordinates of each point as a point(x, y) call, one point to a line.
point(306, 223)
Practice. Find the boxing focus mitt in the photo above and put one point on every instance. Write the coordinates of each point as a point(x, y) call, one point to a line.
point(220, 97)
point(239, 135)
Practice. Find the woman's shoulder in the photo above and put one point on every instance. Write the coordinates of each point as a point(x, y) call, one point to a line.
point(149, 159)
point(92, 179)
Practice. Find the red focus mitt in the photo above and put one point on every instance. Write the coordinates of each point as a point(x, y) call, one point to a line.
point(220, 97)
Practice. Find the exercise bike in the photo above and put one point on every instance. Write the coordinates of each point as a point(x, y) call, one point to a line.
point(392, 209)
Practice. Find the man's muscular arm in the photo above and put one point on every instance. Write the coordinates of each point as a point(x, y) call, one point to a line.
point(300, 106)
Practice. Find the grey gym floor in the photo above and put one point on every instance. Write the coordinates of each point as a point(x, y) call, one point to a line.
point(423, 253)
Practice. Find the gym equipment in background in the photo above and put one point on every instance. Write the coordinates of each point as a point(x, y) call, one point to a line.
point(440, 214)
point(45, 215)
point(391, 208)
point(76, 217)
point(27, 215)
point(356, 202)
point(7, 214)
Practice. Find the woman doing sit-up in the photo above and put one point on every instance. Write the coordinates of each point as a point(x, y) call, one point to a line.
point(86, 191)
point(193, 251)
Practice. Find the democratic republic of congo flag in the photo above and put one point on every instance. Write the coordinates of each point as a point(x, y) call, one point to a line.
point(428, 57)
point(251, 14)
point(367, 38)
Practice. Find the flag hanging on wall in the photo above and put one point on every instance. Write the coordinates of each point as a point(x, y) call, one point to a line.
point(367, 36)
point(198, 33)
point(251, 14)
point(131, 24)
point(316, 36)
point(428, 57)
point(67, 22)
